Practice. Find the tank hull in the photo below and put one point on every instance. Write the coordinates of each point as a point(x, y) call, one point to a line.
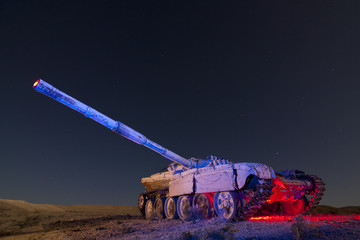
point(227, 177)
point(252, 189)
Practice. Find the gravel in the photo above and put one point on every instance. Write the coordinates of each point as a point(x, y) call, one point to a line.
point(217, 229)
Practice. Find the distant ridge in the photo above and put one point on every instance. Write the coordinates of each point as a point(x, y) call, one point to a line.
point(30, 207)
point(325, 209)
point(19, 207)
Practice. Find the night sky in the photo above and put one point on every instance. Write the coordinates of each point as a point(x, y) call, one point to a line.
point(257, 81)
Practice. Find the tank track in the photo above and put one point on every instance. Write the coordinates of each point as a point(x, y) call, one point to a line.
point(316, 194)
point(257, 199)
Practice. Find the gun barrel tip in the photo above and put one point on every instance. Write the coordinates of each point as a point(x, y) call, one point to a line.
point(36, 83)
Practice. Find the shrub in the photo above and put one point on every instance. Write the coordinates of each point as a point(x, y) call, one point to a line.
point(305, 230)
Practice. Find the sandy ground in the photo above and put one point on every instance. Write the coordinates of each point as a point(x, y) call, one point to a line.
point(23, 220)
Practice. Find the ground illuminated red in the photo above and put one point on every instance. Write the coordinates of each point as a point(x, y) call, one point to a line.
point(312, 218)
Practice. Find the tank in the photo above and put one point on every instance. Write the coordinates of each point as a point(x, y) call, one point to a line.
point(212, 187)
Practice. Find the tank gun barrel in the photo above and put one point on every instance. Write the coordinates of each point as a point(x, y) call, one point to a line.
point(115, 126)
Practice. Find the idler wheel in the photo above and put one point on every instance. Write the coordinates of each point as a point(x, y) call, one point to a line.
point(141, 201)
point(184, 208)
point(226, 204)
point(159, 208)
point(141, 204)
point(149, 210)
point(203, 205)
point(294, 208)
point(170, 208)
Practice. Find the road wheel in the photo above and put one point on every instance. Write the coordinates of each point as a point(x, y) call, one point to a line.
point(269, 209)
point(294, 208)
point(170, 208)
point(159, 208)
point(203, 205)
point(226, 204)
point(184, 208)
point(149, 210)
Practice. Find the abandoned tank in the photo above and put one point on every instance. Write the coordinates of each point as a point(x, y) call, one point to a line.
point(208, 187)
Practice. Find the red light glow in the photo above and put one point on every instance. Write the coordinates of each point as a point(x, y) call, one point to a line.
point(271, 219)
point(36, 83)
point(277, 181)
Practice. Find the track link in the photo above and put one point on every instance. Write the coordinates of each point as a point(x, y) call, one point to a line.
point(257, 199)
point(316, 194)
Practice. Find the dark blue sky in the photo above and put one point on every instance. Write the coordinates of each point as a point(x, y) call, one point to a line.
point(257, 81)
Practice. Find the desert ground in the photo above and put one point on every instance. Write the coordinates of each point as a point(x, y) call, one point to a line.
point(23, 220)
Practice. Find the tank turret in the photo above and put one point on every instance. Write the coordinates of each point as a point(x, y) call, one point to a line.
point(208, 187)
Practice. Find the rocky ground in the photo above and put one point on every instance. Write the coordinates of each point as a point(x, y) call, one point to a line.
point(22, 220)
